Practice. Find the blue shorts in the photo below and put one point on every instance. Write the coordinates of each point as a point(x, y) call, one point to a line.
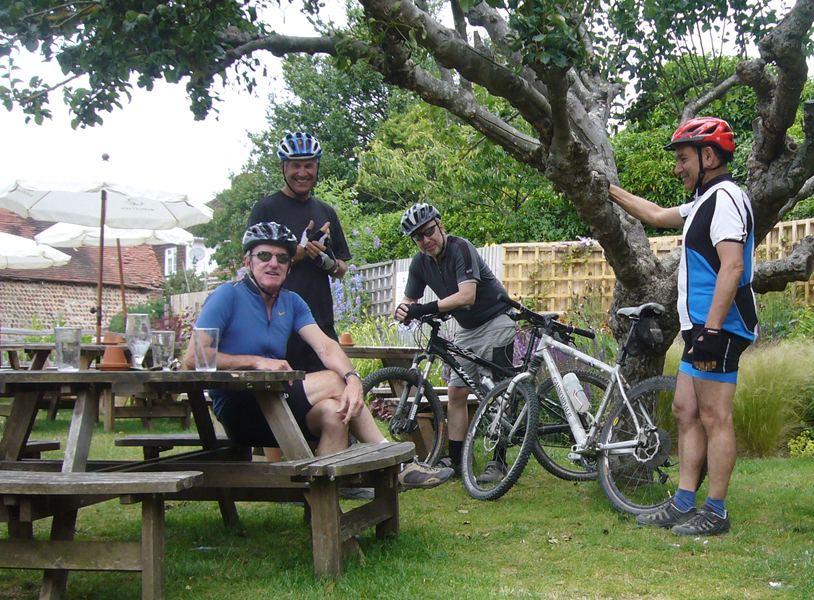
point(246, 425)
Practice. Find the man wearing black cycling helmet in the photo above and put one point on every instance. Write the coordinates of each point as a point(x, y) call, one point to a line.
point(468, 289)
point(718, 316)
point(255, 317)
point(323, 251)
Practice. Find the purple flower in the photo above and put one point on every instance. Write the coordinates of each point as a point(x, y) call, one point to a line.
point(355, 232)
point(354, 201)
point(376, 243)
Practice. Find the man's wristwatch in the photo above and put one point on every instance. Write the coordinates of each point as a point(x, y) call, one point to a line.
point(350, 374)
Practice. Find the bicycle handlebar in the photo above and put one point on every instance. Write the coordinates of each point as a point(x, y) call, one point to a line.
point(548, 321)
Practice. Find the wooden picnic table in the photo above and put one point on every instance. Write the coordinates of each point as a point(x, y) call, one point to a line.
point(228, 474)
point(391, 356)
point(40, 351)
point(144, 407)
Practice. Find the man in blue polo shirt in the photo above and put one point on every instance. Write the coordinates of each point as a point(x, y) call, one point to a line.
point(255, 318)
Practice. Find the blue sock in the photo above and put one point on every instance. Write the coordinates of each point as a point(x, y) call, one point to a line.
point(717, 506)
point(684, 500)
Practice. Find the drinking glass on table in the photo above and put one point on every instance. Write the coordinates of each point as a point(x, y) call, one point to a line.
point(163, 349)
point(68, 348)
point(138, 335)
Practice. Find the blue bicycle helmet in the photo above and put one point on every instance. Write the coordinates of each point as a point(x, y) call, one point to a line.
point(299, 146)
point(269, 233)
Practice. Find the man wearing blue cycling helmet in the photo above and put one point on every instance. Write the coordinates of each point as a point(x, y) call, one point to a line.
point(323, 251)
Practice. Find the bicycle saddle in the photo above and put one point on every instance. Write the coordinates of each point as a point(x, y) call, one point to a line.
point(635, 312)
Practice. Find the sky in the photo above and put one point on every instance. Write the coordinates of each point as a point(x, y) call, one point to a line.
point(153, 141)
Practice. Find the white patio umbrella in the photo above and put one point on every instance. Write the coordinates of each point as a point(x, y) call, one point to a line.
point(102, 203)
point(21, 253)
point(68, 235)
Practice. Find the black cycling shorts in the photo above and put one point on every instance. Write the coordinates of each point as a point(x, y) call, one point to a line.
point(246, 425)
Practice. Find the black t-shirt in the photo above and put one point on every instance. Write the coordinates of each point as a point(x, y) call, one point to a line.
point(308, 280)
point(461, 263)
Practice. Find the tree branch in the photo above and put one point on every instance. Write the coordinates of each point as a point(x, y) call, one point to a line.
point(716, 93)
point(774, 276)
point(784, 47)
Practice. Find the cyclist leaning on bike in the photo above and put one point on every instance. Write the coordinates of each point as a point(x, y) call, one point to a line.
point(466, 287)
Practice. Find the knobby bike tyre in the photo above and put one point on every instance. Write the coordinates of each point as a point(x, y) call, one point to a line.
point(494, 437)
point(636, 480)
point(382, 390)
point(554, 439)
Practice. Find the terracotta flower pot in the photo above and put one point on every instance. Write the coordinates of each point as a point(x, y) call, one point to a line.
point(114, 359)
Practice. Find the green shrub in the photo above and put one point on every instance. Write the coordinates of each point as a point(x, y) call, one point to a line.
point(803, 445)
point(777, 315)
point(774, 387)
point(155, 309)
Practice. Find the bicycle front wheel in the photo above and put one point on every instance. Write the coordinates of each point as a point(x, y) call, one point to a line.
point(642, 471)
point(552, 446)
point(383, 391)
point(498, 442)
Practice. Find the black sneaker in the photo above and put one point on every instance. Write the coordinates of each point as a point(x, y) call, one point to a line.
point(416, 475)
point(493, 473)
point(666, 515)
point(446, 463)
point(706, 522)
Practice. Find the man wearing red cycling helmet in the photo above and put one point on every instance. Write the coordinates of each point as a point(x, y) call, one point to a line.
point(717, 312)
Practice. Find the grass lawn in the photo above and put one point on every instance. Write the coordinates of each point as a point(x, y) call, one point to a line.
point(546, 538)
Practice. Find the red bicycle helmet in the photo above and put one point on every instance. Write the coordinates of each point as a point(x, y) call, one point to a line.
point(704, 131)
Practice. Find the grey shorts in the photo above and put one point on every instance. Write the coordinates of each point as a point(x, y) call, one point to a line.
point(494, 341)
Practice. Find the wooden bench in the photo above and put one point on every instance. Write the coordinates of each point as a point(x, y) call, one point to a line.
point(24, 492)
point(361, 465)
point(154, 445)
point(317, 481)
point(35, 448)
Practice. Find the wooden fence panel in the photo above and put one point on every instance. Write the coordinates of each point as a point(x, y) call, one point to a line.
point(378, 283)
point(556, 274)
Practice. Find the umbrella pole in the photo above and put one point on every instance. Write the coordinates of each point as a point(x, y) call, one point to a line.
point(101, 269)
point(121, 279)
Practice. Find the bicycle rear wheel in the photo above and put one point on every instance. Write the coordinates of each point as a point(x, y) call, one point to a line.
point(383, 390)
point(636, 479)
point(500, 437)
point(554, 438)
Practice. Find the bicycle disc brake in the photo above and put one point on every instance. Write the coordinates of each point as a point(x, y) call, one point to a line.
point(399, 426)
point(656, 450)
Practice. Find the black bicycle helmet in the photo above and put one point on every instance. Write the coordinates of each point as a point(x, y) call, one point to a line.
point(416, 216)
point(269, 233)
point(299, 146)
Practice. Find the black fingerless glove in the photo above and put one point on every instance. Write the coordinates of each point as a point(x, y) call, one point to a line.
point(414, 311)
point(325, 259)
point(707, 349)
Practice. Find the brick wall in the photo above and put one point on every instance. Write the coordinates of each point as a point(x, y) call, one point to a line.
point(22, 303)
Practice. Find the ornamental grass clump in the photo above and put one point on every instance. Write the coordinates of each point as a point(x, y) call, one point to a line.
point(775, 383)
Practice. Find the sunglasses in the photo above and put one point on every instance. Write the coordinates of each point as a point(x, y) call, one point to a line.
point(428, 232)
point(265, 256)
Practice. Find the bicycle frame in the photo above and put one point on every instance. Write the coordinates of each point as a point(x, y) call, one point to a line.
point(585, 440)
point(438, 347)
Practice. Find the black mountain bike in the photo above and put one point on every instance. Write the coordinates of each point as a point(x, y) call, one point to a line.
point(405, 399)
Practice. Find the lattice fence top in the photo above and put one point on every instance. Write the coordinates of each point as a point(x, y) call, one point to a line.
point(559, 274)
